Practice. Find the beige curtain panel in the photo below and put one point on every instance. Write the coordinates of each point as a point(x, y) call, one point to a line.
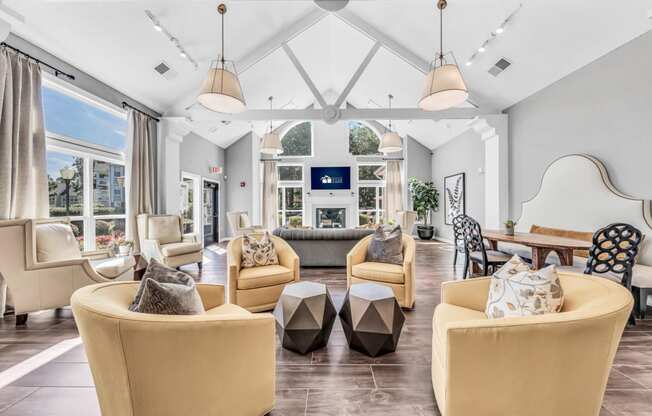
point(270, 195)
point(141, 170)
point(393, 190)
point(23, 170)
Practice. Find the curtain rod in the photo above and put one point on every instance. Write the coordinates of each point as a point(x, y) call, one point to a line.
point(126, 104)
point(57, 71)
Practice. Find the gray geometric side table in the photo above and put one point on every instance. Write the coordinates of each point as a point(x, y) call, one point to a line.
point(371, 318)
point(304, 315)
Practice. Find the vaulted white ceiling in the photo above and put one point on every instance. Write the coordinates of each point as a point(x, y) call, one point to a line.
point(115, 42)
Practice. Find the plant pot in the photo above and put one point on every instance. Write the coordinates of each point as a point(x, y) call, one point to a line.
point(124, 250)
point(509, 231)
point(425, 232)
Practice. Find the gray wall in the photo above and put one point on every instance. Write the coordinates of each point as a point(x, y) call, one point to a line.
point(464, 153)
point(82, 80)
point(239, 168)
point(196, 155)
point(603, 109)
point(418, 163)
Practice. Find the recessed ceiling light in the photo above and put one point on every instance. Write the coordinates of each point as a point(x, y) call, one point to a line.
point(469, 63)
point(158, 28)
point(183, 54)
point(500, 30)
point(482, 49)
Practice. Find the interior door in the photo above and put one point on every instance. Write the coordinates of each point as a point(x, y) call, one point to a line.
point(211, 213)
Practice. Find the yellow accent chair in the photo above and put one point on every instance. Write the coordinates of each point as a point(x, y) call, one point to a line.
point(219, 363)
point(241, 224)
point(161, 237)
point(258, 288)
point(401, 278)
point(552, 364)
point(41, 265)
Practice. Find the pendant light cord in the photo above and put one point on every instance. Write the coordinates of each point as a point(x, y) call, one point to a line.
point(441, 35)
point(390, 96)
point(222, 40)
point(270, 107)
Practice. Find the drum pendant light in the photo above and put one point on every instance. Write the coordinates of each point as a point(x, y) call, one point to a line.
point(221, 91)
point(391, 141)
point(444, 85)
point(271, 143)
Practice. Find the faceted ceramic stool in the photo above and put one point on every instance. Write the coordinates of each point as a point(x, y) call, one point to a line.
point(304, 316)
point(372, 318)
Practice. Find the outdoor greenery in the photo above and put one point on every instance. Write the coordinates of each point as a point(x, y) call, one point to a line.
point(362, 140)
point(298, 140)
point(368, 173)
point(290, 173)
point(425, 197)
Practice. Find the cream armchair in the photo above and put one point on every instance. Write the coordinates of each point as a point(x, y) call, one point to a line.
point(241, 224)
point(398, 277)
point(218, 363)
point(552, 364)
point(41, 265)
point(406, 219)
point(258, 288)
point(161, 237)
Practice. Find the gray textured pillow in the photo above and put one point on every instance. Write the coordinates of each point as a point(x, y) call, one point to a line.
point(167, 291)
point(386, 247)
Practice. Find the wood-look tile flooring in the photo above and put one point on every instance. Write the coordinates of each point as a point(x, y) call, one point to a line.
point(331, 381)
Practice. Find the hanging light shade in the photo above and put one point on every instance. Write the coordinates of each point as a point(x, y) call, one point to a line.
point(271, 143)
point(391, 141)
point(444, 85)
point(221, 91)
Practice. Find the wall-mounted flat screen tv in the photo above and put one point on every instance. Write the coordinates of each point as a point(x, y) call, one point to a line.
point(330, 178)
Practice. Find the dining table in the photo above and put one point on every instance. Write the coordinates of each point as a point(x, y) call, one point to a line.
point(540, 244)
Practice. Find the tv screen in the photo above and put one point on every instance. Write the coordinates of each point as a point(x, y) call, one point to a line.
point(329, 178)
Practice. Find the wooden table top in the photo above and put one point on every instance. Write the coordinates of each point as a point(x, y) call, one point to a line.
point(537, 240)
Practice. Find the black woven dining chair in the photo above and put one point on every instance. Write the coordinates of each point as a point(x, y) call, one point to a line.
point(613, 253)
point(476, 252)
point(458, 237)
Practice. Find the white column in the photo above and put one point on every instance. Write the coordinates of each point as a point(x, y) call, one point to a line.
point(171, 131)
point(493, 131)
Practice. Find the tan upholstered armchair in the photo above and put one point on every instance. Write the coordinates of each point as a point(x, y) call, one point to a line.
point(218, 363)
point(241, 224)
point(41, 265)
point(399, 277)
point(258, 288)
point(552, 364)
point(161, 237)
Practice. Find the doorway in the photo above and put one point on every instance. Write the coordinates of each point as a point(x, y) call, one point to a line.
point(211, 212)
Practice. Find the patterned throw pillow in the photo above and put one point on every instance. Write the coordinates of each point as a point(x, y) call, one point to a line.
point(258, 252)
point(386, 248)
point(167, 291)
point(518, 291)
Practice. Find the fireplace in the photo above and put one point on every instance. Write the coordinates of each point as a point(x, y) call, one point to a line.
point(330, 218)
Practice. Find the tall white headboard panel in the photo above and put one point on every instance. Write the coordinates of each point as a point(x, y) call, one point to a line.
point(576, 194)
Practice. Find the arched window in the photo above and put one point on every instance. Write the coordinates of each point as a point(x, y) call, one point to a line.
point(298, 140)
point(362, 140)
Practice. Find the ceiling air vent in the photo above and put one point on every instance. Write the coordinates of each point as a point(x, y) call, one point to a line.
point(165, 71)
point(499, 67)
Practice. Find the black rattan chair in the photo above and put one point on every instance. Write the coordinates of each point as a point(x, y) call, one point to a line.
point(613, 253)
point(458, 237)
point(476, 252)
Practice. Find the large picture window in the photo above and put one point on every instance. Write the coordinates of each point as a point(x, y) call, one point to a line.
point(363, 141)
point(86, 165)
point(290, 195)
point(371, 188)
point(297, 141)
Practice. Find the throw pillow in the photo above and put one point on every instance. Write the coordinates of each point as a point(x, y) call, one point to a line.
point(516, 290)
point(386, 247)
point(258, 252)
point(164, 290)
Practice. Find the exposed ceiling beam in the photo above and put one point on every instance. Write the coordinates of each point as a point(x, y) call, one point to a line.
point(304, 75)
point(400, 51)
point(275, 42)
point(201, 114)
point(358, 73)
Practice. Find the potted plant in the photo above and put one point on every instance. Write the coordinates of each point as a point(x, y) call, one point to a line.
point(425, 198)
point(509, 227)
point(124, 246)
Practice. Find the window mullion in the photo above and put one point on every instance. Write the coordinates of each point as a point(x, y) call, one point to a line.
point(89, 221)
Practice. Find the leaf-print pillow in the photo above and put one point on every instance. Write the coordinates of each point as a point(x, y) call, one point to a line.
point(518, 291)
point(258, 252)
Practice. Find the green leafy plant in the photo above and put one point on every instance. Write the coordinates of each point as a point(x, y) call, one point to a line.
point(425, 197)
point(510, 224)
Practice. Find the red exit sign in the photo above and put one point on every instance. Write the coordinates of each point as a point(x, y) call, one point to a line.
point(215, 169)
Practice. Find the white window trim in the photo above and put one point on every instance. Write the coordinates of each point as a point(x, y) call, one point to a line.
point(197, 214)
point(312, 142)
point(292, 184)
point(377, 211)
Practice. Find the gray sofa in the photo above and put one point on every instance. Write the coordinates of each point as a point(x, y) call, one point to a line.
point(322, 247)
